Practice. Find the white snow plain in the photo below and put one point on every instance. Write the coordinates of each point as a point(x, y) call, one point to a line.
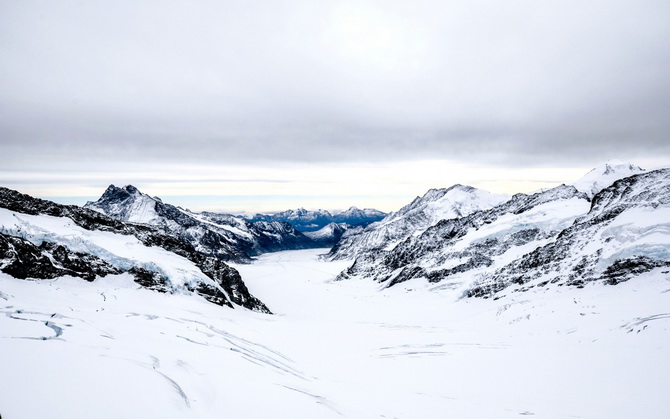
point(110, 349)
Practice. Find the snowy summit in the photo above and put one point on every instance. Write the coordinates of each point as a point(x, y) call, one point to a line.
point(603, 176)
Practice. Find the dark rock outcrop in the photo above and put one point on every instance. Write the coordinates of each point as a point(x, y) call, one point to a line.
point(22, 259)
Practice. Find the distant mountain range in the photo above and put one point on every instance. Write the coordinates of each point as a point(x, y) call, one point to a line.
point(227, 237)
point(306, 220)
point(231, 237)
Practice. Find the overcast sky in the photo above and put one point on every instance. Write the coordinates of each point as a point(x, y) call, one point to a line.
point(275, 104)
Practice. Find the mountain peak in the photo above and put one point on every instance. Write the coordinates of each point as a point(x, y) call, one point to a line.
point(131, 189)
point(437, 193)
point(617, 166)
point(614, 166)
point(604, 175)
point(126, 204)
point(435, 205)
point(115, 194)
point(446, 198)
point(113, 190)
point(351, 210)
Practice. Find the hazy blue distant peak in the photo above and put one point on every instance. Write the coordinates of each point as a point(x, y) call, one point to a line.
point(313, 220)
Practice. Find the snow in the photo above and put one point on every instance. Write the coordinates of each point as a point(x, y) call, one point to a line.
point(333, 349)
point(601, 177)
point(140, 210)
point(442, 204)
point(357, 212)
point(415, 218)
point(550, 216)
point(143, 210)
point(636, 232)
point(235, 230)
point(458, 203)
point(122, 251)
point(326, 232)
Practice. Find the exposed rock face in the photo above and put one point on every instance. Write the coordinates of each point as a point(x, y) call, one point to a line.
point(22, 257)
point(623, 270)
point(558, 236)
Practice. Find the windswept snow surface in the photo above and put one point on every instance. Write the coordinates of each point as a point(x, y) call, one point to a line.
point(107, 349)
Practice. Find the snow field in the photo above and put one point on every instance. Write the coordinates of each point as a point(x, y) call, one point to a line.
point(333, 349)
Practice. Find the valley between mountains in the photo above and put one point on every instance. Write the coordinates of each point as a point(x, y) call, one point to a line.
point(461, 304)
point(332, 349)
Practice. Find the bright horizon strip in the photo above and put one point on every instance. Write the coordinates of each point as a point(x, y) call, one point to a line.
point(384, 186)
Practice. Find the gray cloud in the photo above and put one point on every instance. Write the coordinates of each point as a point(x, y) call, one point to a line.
point(517, 82)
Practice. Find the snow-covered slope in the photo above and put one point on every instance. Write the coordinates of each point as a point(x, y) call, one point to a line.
point(625, 233)
point(603, 176)
point(459, 247)
point(557, 236)
point(414, 218)
point(328, 235)
point(41, 239)
point(313, 220)
point(358, 217)
point(223, 236)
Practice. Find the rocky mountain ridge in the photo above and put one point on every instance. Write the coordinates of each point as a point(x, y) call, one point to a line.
point(313, 220)
point(224, 236)
point(42, 239)
point(558, 236)
point(412, 219)
point(625, 233)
